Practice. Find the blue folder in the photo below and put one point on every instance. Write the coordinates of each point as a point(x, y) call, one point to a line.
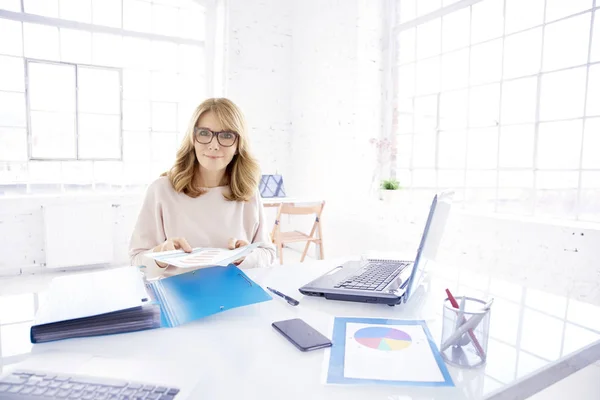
point(196, 294)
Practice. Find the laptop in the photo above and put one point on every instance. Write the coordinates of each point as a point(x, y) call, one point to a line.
point(385, 281)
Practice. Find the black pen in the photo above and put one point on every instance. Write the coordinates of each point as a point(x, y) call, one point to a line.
point(287, 298)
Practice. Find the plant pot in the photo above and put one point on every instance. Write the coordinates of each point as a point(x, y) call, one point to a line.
point(389, 196)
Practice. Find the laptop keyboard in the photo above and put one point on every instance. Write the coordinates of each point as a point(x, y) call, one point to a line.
point(375, 277)
point(21, 385)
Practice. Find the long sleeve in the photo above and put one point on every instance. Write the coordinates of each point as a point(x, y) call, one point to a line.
point(264, 255)
point(148, 233)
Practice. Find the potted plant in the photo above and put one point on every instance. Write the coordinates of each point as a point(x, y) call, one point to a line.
point(388, 190)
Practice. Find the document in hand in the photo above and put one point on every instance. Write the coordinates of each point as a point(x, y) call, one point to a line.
point(95, 303)
point(203, 292)
point(202, 256)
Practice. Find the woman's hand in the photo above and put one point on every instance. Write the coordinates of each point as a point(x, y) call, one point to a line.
point(234, 244)
point(172, 244)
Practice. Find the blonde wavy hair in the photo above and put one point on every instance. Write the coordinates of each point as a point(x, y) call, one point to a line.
point(242, 173)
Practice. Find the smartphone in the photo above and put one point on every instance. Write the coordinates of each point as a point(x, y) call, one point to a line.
point(302, 335)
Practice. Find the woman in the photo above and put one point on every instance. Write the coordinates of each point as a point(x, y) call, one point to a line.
point(209, 198)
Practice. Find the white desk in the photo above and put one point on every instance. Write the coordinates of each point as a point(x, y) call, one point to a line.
point(238, 355)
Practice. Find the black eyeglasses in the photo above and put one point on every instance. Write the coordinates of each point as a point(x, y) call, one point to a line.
point(205, 136)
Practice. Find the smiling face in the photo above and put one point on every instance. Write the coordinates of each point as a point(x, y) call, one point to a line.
point(210, 152)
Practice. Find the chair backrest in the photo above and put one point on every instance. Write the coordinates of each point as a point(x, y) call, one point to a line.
point(292, 209)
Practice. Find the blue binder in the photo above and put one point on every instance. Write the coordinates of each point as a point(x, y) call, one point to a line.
point(117, 301)
point(203, 292)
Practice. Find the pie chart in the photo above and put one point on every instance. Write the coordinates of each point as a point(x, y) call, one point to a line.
point(385, 339)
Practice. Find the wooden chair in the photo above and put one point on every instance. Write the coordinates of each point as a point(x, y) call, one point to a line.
point(281, 238)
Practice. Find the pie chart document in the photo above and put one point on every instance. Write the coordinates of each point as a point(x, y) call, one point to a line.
point(392, 351)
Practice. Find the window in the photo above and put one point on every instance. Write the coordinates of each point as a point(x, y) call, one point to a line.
point(96, 94)
point(500, 101)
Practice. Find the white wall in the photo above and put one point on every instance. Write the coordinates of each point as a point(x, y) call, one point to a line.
point(308, 75)
point(259, 76)
point(337, 96)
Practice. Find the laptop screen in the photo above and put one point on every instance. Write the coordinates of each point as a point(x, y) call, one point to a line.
point(431, 238)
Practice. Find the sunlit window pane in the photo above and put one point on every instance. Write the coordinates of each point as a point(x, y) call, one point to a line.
point(47, 8)
point(11, 29)
point(406, 46)
point(13, 144)
point(522, 53)
point(482, 148)
point(516, 146)
point(595, 55)
point(137, 53)
point(136, 146)
point(407, 10)
point(559, 144)
point(523, 14)
point(593, 93)
point(99, 136)
point(76, 10)
point(164, 117)
point(486, 62)
point(591, 143)
point(424, 178)
point(453, 109)
point(136, 115)
point(487, 20)
point(404, 150)
point(51, 87)
point(12, 74)
point(41, 41)
point(426, 113)
point(455, 69)
point(456, 30)
point(427, 6)
point(137, 15)
point(164, 20)
point(75, 46)
point(451, 179)
point(452, 148)
point(136, 84)
point(12, 109)
point(566, 42)
point(562, 94)
point(519, 101)
point(10, 5)
point(424, 150)
point(99, 91)
point(163, 56)
point(515, 179)
point(164, 145)
point(107, 12)
point(192, 21)
point(53, 134)
point(406, 80)
point(164, 86)
point(428, 76)
point(556, 9)
point(107, 49)
point(484, 105)
point(428, 39)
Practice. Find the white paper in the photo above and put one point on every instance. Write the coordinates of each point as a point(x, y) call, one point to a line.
point(409, 359)
point(94, 293)
point(202, 256)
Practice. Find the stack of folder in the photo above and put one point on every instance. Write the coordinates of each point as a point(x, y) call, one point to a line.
point(119, 300)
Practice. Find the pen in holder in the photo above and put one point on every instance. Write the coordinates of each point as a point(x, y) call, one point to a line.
point(465, 331)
